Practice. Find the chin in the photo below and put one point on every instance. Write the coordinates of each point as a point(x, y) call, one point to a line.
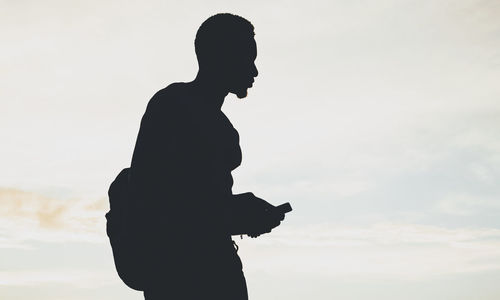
point(241, 93)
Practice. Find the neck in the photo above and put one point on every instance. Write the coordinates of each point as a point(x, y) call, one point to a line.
point(211, 90)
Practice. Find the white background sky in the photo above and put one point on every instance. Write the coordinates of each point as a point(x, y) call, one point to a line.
point(377, 120)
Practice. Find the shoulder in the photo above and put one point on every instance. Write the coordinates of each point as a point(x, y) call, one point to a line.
point(169, 98)
point(169, 105)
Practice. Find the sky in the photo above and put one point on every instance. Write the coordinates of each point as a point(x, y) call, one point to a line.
point(377, 120)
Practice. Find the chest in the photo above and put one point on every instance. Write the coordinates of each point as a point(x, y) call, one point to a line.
point(219, 140)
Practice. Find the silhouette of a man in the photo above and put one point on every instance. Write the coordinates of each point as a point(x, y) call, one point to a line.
point(181, 179)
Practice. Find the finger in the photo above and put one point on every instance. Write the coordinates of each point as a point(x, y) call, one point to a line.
point(280, 216)
point(268, 226)
point(264, 229)
point(276, 224)
point(275, 219)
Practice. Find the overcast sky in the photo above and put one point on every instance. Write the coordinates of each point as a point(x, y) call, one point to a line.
point(377, 120)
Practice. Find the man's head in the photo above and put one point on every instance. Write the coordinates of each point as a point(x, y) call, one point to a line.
point(226, 49)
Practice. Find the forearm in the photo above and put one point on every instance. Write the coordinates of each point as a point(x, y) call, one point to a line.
point(234, 215)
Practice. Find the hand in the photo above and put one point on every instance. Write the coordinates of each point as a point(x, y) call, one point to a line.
point(268, 220)
point(254, 216)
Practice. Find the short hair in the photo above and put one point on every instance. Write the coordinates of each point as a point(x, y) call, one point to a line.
point(221, 33)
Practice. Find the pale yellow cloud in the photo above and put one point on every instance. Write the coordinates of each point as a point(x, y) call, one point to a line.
point(31, 216)
point(21, 204)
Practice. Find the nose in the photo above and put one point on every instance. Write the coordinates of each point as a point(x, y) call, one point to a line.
point(255, 71)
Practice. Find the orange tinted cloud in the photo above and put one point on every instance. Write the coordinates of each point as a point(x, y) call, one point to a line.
point(21, 204)
point(27, 215)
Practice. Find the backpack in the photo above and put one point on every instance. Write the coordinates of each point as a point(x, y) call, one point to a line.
point(126, 243)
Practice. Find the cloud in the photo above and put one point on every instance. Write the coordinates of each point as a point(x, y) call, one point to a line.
point(77, 278)
point(403, 251)
point(20, 204)
point(396, 251)
point(468, 205)
point(28, 216)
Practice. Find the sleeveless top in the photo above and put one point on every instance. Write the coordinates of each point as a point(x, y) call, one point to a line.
point(181, 180)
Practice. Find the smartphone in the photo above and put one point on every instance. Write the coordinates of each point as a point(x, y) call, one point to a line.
point(284, 208)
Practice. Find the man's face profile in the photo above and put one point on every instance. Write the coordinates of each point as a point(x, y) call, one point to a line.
point(241, 69)
point(226, 52)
